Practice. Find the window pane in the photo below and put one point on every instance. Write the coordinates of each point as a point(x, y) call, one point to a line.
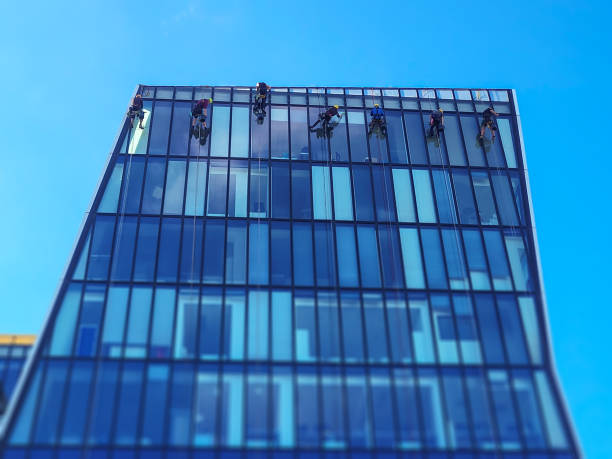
point(434, 263)
point(352, 326)
point(395, 136)
point(465, 200)
point(455, 261)
point(347, 256)
point(103, 399)
point(258, 202)
point(528, 409)
point(518, 262)
point(416, 138)
point(282, 333)
point(260, 140)
point(389, 253)
point(279, 136)
point(343, 200)
point(302, 253)
point(132, 185)
point(505, 133)
point(210, 323)
point(89, 320)
point(144, 265)
point(181, 120)
point(63, 331)
point(234, 324)
point(206, 396)
point(411, 253)
point(219, 135)
point(175, 187)
point(489, 329)
point(513, 331)
point(318, 140)
point(504, 411)
point(237, 192)
point(407, 415)
point(158, 143)
point(321, 193)
point(163, 318)
point(444, 328)
point(232, 407)
point(497, 260)
point(154, 186)
point(358, 409)
point(217, 184)
point(466, 329)
point(362, 185)
point(531, 327)
point(480, 409)
point(431, 406)
point(333, 409)
point(185, 334)
point(101, 243)
point(324, 249)
point(281, 253)
point(383, 193)
point(213, 252)
point(444, 196)
point(305, 333)
point(421, 328)
point(477, 263)
point(179, 415)
point(50, 403)
point(424, 196)
point(402, 185)
point(329, 327)
point(167, 266)
point(124, 249)
point(338, 141)
point(280, 190)
point(110, 198)
point(484, 198)
point(138, 325)
point(191, 253)
point(557, 437)
point(456, 415)
point(300, 191)
point(114, 321)
point(75, 417)
point(258, 253)
point(256, 434)
point(373, 313)
point(383, 416)
point(235, 267)
point(154, 405)
point(240, 131)
point(307, 407)
point(258, 325)
point(505, 202)
point(454, 144)
point(399, 330)
point(299, 133)
point(357, 135)
point(129, 404)
point(368, 256)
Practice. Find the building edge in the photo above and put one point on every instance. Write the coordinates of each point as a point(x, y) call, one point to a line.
point(548, 335)
point(79, 238)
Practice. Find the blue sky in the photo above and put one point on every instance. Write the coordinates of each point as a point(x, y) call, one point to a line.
point(69, 68)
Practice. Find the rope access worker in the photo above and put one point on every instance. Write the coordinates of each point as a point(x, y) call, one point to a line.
point(378, 119)
point(199, 111)
point(135, 110)
point(326, 117)
point(436, 120)
point(261, 90)
point(488, 122)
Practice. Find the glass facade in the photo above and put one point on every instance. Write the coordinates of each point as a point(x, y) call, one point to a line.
point(13, 352)
point(274, 293)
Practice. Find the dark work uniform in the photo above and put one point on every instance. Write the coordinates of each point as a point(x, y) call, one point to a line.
point(488, 119)
point(378, 118)
point(326, 116)
point(198, 109)
point(435, 121)
point(136, 109)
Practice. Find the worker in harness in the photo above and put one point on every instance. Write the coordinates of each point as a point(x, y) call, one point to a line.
point(261, 97)
point(135, 110)
point(378, 120)
point(199, 111)
point(488, 121)
point(326, 117)
point(436, 121)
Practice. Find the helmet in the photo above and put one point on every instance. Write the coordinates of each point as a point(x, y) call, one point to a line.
point(210, 100)
point(376, 105)
point(137, 95)
point(441, 111)
point(336, 106)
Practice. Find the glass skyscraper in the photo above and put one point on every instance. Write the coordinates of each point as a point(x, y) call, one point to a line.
point(281, 292)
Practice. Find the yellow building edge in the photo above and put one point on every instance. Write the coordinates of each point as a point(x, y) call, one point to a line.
point(17, 340)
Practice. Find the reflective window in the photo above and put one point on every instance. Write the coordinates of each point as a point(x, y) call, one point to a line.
point(129, 404)
point(407, 411)
point(154, 186)
point(114, 321)
point(465, 199)
point(368, 256)
point(282, 332)
point(234, 323)
point(121, 268)
point(51, 402)
point(402, 185)
point(258, 325)
point(219, 130)
point(431, 409)
point(347, 256)
point(258, 191)
point(333, 429)
point(456, 413)
point(338, 141)
point(146, 247)
point(399, 330)
point(382, 403)
point(324, 255)
point(235, 254)
point(280, 193)
point(256, 434)
point(77, 397)
point(307, 408)
point(352, 327)
point(395, 136)
point(421, 328)
point(138, 323)
point(181, 404)
point(280, 266)
point(185, 330)
point(175, 186)
point(237, 189)
point(260, 139)
point(170, 238)
point(321, 193)
point(302, 254)
point(210, 323)
point(231, 411)
point(383, 193)
point(416, 139)
point(357, 135)
point(489, 328)
point(513, 331)
point(279, 143)
point(258, 253)
point(240, 132)
point(154, 405)
point(518, 262)
point(299, 133)
point(477, 263)
point(132, 185)
point(300, 191)
point(484, 198)
point(505, 202)
point(411, 253)
point(191, 252)
point(424, 196)
point(373, 313)
point(179, 135)
point(163, 317)
point(362, 186)
point(206, 394)
point(454, 144)
point(99, 256)
point(111, 194)
point(444, 328)
point(434, 262)
point(304, 325)
point(358, 409)
point(329, 327)
point(497, 260)
point(505, 133)
point(213, 251)
point(471, 133)
point(88, 329)
point(466, 329)
point(390, 259)
point(158, 142)
point(343, 199)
